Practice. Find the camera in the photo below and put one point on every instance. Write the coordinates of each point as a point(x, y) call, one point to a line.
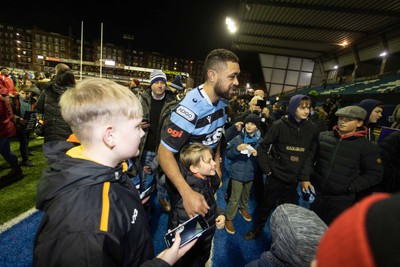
point(262, 103)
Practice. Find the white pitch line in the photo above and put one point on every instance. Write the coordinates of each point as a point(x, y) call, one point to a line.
point(7, 225)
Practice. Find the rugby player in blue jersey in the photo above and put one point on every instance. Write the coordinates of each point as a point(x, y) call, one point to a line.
point(199, 117)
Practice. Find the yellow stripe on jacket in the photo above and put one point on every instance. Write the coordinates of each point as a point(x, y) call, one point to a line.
point(105, 210)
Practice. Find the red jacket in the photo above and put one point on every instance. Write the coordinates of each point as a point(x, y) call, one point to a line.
point(9, 84)
point(7, 126)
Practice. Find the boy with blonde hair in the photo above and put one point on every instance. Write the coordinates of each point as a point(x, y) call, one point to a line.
point(93, 215)
point(199, 169)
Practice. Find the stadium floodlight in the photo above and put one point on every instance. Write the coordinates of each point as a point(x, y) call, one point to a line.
point(231, 24)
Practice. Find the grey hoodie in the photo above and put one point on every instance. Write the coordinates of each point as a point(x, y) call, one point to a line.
point(295, 233)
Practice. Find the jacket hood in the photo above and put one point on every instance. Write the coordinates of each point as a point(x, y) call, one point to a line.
point(68, 173)
point(294, 104)
point(369, 105)
point(360, 132)
point(295, 233)
point(59, 89)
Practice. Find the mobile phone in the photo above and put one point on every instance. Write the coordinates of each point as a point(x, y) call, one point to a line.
point(261, 103)
point(147, 192)
point(189, 230)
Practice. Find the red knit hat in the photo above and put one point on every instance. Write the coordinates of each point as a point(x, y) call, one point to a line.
point(136, 81)
point(365, 235)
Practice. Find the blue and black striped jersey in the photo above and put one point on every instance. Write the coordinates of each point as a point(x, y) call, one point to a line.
point(195, 119)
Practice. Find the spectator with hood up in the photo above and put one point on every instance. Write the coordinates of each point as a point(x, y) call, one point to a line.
point(295, 233)
point(286, 156)
point(55, 128)
point(374, 110)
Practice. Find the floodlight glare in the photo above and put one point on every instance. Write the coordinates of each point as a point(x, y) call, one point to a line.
point(231, 25)
point(109, 62)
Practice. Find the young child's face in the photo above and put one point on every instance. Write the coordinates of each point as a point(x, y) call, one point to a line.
point(207, 166)
point(302, 112)
point(348, 125)
point(250, 127)
point(128, 135)
point(24, 95)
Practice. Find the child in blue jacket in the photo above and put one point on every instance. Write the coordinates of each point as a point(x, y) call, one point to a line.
point(242, 151)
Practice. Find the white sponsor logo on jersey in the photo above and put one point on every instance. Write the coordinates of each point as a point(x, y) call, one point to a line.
point(213, 137)
point(185, 113)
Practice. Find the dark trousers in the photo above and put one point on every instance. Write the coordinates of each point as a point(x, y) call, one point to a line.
point(328, 207)
point(6, 152)
point(259, 186)
point(23, 138)
point(277, 193)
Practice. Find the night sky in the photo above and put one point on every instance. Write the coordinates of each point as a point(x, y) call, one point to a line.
point(185, 29)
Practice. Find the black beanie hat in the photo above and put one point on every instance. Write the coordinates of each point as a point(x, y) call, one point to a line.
point(254, 119)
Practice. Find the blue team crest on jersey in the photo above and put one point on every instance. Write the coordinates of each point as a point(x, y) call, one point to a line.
point(185, 113)
point(194, 100)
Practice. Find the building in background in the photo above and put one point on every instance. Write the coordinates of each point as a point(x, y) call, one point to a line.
point(39, 51)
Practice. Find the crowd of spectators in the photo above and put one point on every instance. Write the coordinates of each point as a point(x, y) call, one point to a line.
point(305, 144)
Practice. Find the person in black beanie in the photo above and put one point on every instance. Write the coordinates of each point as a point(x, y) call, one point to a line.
point(266, 121)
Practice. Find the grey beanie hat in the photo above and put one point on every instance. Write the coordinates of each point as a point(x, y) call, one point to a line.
point(157, 75)
point(295, 233)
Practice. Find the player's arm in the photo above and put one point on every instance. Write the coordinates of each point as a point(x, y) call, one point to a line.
point(217, 159)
